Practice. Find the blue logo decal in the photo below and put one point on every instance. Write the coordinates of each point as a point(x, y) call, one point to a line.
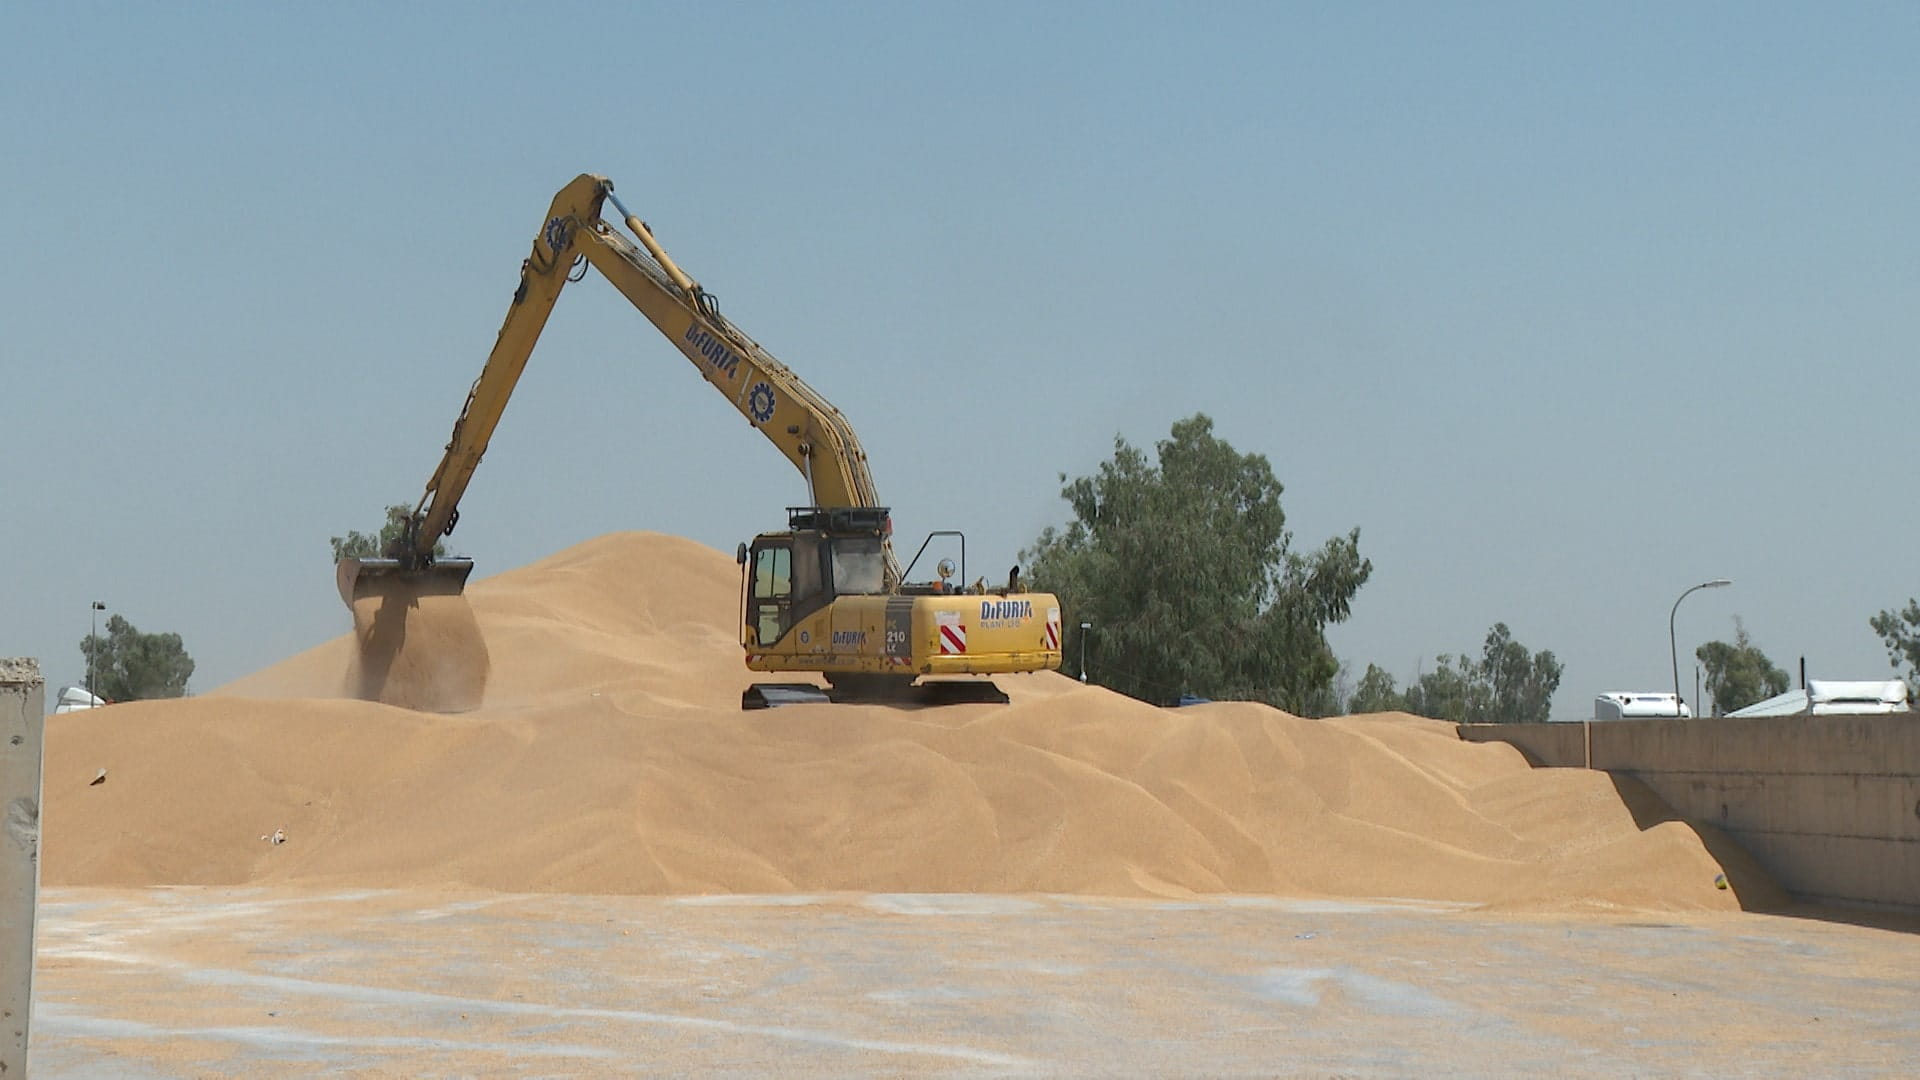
point(760, 403)
point(999, 614)
point(998, 610)
point(557, 234)
point(698, 343)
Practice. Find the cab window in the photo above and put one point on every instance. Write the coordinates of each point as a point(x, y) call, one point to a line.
point(772, 592)
point(859, 566)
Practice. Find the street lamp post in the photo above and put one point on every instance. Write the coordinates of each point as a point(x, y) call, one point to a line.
point(93, 641)
point(1085, 629)
point(1673, 649)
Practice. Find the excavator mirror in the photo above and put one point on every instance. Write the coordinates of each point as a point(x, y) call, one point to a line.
point(740, 553)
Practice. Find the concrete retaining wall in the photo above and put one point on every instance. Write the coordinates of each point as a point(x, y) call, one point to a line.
point(22, 722)
point(1830, 805)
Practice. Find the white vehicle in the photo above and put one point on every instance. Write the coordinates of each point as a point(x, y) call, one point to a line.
point(1634, 704)
point(73, 699)
point(1833, 697)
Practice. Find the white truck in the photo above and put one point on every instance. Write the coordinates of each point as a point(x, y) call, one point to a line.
point(73, 699)
point(1634, 704)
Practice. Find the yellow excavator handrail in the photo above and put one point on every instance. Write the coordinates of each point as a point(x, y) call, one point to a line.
point(801, 424)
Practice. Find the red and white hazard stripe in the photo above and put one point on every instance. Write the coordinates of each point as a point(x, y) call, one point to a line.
point(1053, 628)
point(953, 633)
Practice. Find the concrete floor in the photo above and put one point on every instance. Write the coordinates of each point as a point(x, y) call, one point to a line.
point(210, 982)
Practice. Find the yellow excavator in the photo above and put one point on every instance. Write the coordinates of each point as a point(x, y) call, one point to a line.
point(825, 595)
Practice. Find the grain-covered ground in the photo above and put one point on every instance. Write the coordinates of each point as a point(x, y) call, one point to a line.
point(281, 981)
point(609, 867)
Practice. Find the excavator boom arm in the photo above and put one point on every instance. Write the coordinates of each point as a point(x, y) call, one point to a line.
point(807, 430)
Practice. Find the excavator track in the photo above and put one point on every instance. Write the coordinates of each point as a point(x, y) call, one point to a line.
point(874, 690)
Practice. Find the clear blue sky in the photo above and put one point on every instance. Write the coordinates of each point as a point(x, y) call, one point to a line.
point(1566, 308)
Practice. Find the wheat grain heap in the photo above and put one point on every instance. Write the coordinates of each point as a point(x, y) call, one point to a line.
point(610, 755)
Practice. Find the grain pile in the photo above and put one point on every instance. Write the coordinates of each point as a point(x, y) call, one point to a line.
point(610, 756)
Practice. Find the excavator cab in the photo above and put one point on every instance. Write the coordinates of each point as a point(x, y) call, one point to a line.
point(824, 554)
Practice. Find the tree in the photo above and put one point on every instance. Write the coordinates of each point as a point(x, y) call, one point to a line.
point(1448, 692)
point(128, 665)
point(1901, 633)
point(1739, 674)
point(1376, 693)
point(1507, 685)
point(359, 545)
point(1185, 569)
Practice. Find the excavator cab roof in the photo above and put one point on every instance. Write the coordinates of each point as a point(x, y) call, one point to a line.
point(860, 520)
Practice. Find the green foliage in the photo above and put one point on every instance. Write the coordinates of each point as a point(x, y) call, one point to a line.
point(1739, 674)
point(1900, 630)
point(1376, 693)
point(1184, 568)
point(359, 545)
point(1507, 685)
point(1448, 692)
point(128, 665)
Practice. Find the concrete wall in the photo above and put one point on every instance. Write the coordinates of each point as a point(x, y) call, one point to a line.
point(1830, 805)
point(22, 721)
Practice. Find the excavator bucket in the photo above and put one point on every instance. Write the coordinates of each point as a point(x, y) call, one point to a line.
point(419, 645)
point(367, 579)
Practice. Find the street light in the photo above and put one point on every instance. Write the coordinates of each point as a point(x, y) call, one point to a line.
point(1674, 650)
point(93, 641)
point(1085, 629)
